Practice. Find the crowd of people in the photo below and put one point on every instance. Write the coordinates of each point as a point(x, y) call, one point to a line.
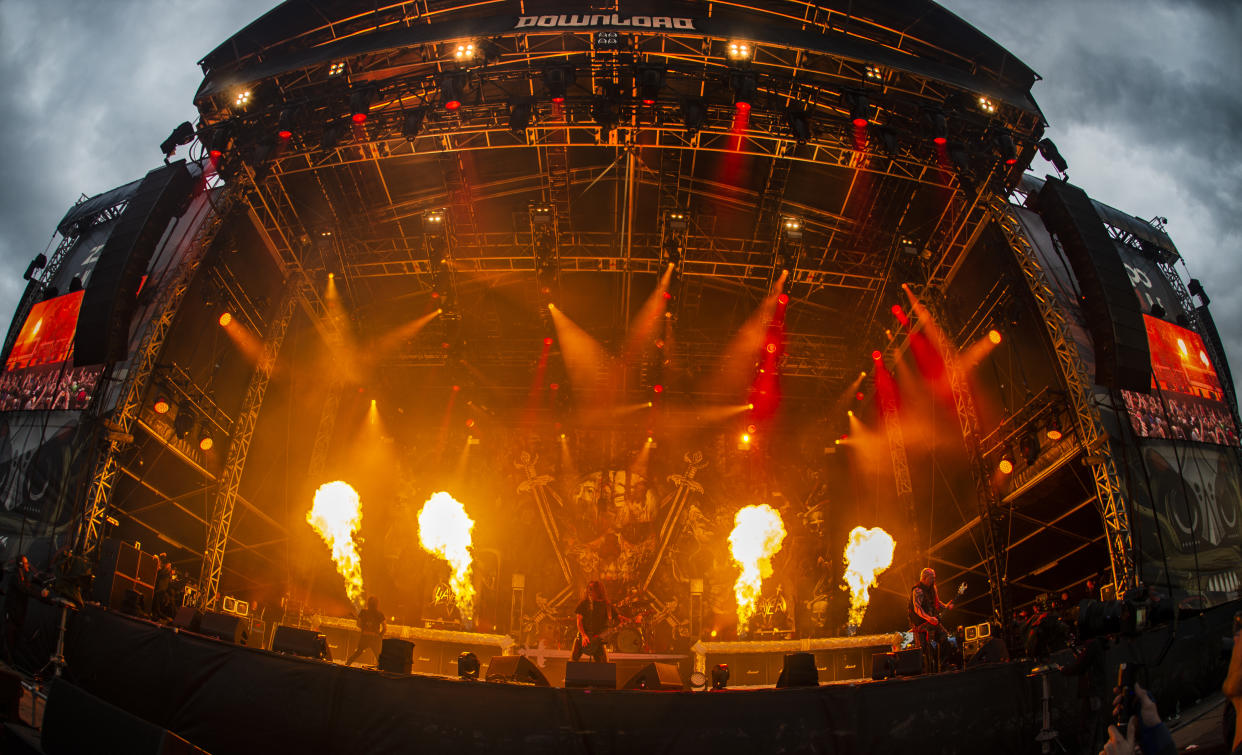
point(1185, 419)
point(56, 387)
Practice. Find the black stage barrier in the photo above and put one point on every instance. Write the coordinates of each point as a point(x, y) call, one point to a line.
point(231, 699)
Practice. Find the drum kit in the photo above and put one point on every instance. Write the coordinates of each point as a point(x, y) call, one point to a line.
point(644, 627)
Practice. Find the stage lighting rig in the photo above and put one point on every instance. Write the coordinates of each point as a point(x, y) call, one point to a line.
point(860, 109)
point(874, 73)
point(452, 89)
point(464, 52)
point(241, 100)
point(468, 666)
point(332, 134)
point(745, 87)
point(40, 261)
point(412, 123)
point(939, 126)
point(693, 114)
point(799, 122)
point(519, 117)
point(182, 134)
point(650, 82)
point(720, 676)
point(360, 104)
point(986, 106)
point(1003, 141)
point(1048, 150)
point(791, 227)
point(285, 124)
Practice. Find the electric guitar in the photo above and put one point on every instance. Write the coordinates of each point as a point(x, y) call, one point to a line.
point(605, 637)
point(961, 589)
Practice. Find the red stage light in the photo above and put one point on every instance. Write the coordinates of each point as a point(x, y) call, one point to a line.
point(285, 134)
point(557, 100)
point(771, 348)
point(667, 296)
point(876, 355)
point(648, 102)
point(435, 294)
point(940, 140)
point(452, 104)
point(743, 107)
point(994, 336)
point(547, 342)
point(161, 406)
point(751, 429)
point(444, 345)
point(456, 388)
point(861, 122)
point(359, 117)
point(845, 436)
point(859, 396)
point(555, 386)
point(897, 311)
point(783, 299)
point(1012, 161)
point(215, 154)
point(470, 422)
point(657, 388)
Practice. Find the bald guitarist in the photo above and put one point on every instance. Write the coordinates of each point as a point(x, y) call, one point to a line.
point(924, 614)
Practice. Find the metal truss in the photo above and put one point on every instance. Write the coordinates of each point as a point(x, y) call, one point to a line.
point(323, 433)
point(1078, 386)
point(138, 375)
point(897, 450)
point(229, 480)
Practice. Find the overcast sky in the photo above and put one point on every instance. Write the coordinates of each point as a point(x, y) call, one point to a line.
point(1143, 98)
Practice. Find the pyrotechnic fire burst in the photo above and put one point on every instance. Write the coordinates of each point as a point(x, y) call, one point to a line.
point(444, 530)
point(868, 552)
point(756, 538)
point(337, 516)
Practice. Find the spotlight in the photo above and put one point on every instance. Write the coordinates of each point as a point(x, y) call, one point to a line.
point(225, 319)
point(1048, 150)
point(468, 666)
point(650, 82)
point(557, 81)
point(987, 106)
point(242, 99)
point(284, 125)
point(657, 388)
point(360, 104)
point(205, 441)
point(799, 124)
point(183, 423)
point(219, 144)
point(792, 227)
point(875, 356)
point(1053, 430)
point(745, 438)
point(464, 52)
point(161, 406)
point(1004, 145)
point(412, 124)
point(182, 134)
point(332, 134)
point(782, 299)
point(1029, 446)
point(860, 110)
point(994, 336)
point(1006, 464)
point(720, 675)
point(770, 348)
point(337, 68)
point(745, 86)
point(433, 219)
point(859, 396)
point(939, 127)
point(693, 114)
point(874, 73)
point(751, 429)
point(451, 86)
point(739, 50)
point(519, 117)
point(547, 342)
point(849, 412)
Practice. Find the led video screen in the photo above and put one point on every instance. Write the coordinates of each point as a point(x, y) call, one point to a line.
point(1186, 401)
point(39, 373)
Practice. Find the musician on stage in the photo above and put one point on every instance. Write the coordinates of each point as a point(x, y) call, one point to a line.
point(594, 614)
point(924, 614)
point(371, 626)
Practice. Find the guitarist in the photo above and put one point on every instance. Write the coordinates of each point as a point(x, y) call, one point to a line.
point(924, 614)
point(594, 615)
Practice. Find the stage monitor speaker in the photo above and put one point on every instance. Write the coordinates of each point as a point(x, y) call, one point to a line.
point(883, 665)
point(908, 662)
point(515, 668)
point(306, 643)
point(111, 294)
point(76, 721)
point(590, 675)
point(396, 656)
point(992, 651)
point(799, 671)
point(1111, 309)
point(122, 568)
point(656, 676)
point(223, 626)
point(188, 617)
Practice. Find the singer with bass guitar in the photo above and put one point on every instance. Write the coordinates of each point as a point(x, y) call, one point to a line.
point(593, 615)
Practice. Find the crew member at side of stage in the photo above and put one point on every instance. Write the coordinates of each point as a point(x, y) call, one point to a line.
point(594, 615)
point(924, 614)
point(371, 625)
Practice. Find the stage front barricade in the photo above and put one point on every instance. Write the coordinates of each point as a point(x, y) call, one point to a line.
point(435, 650)
point(759, 663)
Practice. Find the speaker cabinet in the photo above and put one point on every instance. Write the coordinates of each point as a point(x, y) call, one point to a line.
point(123, 568)
point(396, 656)
point(76, 721)
point(883, 665)
point(1110, 307)
point(110, 296)
point(656, 676)
point(306, 643)
point(908, 662)
point(223, 626)
point(515, 668)
point(189, 618)
point(799, 671)
point(588, 675)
